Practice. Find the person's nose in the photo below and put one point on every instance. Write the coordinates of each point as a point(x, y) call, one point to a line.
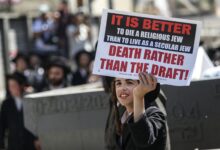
point(124, 87)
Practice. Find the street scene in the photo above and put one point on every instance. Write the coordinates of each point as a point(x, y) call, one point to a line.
point(109, 74)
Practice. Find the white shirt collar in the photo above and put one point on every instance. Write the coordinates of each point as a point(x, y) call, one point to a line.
point(18, 103)
point(125, 116)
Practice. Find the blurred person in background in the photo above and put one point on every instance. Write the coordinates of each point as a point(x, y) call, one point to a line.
point(57, 71)
point(93, 77)
point(35, 71)
point(12, 120)
point(216, 59)
point(80, 76)
point(44, 35)
point(21, 68)
point(62, 18)
point(21, 65)
point(79, 34)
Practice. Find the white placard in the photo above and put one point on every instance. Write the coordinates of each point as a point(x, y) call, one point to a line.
point(130, 43)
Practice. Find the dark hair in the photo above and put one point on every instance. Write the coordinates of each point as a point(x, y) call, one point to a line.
point(79, 54)
point(20, 56)
point(19, 78)
point(56, 61)
point(118, 123)
point(106, 82)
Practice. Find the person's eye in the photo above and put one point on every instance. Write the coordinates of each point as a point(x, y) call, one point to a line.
point(117, 83)
point(130, 82)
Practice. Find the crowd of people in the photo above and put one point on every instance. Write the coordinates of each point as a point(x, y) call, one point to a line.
point(61, 32)
point(55, 73)
point(60, 55)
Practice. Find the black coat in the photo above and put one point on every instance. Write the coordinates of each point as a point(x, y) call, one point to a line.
point(78, 79)
point(148, 133)
point(11, 120)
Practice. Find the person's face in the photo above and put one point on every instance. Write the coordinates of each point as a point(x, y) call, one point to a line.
point(44, 16)
point(14, 88)
point(63, 7)
point(56, 75)
point(21, 65)
point(124, 91)
point(84, 60)
point(34, 60)
point(79, 19)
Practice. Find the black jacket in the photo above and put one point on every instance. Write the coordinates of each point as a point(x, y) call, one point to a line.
point(11, 120)
point(78, 79)
point(149, 133)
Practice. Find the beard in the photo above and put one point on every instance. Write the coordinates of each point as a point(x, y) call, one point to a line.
point(56, 82)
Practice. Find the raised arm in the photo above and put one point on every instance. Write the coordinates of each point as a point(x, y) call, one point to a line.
point(147, 84)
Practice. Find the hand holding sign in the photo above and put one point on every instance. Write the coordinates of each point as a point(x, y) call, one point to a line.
point(147, 84)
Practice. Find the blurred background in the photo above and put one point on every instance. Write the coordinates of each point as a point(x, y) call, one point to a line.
point(37, 33)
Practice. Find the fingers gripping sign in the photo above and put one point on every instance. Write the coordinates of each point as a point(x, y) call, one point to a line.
point(147, 84)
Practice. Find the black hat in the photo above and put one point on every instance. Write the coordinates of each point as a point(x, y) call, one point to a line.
point(20, 78)
point(78, 54)
point(58, 62)
point(20, 56)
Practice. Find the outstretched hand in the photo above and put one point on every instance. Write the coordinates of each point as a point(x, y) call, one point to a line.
point(147, 84)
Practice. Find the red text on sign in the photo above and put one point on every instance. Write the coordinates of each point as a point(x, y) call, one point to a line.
point(115, 65)
point(125, 52)
point(171, 73)
point(164, 57)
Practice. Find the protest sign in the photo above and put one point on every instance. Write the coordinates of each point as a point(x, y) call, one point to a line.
point(130, 43)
